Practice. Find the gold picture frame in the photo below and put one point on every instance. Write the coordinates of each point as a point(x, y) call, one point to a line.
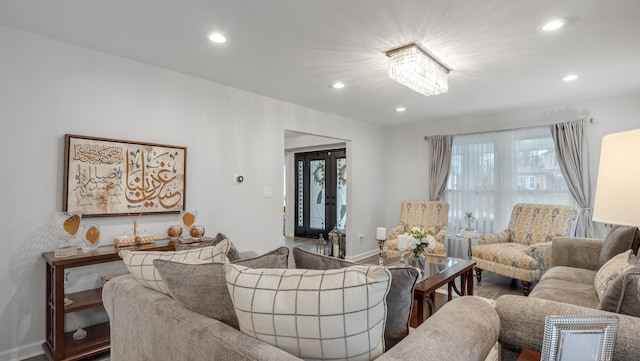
point(113, 177)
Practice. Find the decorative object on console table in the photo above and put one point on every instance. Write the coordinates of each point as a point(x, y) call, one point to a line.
point(65, 230)
point(58, 344)
point(196, 232)
point(188, 219)
point(618, 176)
point(174, 232)
point(91, 238)
point(143, 177)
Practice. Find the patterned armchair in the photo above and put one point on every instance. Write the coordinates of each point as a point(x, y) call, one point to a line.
point(431, 215)
point(523, 250)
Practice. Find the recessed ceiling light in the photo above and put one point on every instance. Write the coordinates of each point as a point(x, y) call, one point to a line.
point(400, 109)
point(337, 85)
point(570, 77)
point(554, 24)
point(217, 38)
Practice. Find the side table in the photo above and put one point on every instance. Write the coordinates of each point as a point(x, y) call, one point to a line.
point(529, 355)
point(469, 235)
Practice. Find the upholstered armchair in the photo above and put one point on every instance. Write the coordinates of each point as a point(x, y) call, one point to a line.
point(431, 215)
point(523, 250)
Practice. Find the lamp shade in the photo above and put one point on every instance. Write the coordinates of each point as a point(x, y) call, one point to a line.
point(617, 198)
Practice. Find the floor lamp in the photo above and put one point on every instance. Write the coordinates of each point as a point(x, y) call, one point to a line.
point(617, 199)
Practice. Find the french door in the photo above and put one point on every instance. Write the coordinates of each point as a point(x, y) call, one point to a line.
point(321, 192)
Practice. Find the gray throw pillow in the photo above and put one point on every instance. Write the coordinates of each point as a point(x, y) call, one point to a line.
point(399, 299)
point(233, 254)
point(622, 296)
point(203, 287)
point(619, 239)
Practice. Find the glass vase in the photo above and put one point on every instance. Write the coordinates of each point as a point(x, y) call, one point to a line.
point(417, 260)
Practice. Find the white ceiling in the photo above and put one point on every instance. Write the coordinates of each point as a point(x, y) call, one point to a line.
point(294, 49)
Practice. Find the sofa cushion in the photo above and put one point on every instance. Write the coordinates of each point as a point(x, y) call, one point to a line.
point(203, 288)
point(612, 269)
point(619, 239)
point(140, 263)
point(399, 299)
point(233, 255)
point(313, 314)
point(623, 294)
point(560, 290)
point(513, 254)
point(571, 274)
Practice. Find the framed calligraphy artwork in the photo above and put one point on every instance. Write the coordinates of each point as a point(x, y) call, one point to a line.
point(110, 177)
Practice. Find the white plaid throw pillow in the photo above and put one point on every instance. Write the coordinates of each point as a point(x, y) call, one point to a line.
point(140, 263)
point(313, 314)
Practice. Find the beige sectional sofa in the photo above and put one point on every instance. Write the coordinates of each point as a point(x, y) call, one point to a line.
point(149, 325)
point(567, 288)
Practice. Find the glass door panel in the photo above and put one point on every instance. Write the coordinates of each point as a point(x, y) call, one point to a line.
point(321, 192)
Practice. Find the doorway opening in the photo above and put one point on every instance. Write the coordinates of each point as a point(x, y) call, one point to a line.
point(320, 191)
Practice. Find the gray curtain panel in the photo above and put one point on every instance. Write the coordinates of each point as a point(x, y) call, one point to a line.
point(439, 168)
point(570, 143)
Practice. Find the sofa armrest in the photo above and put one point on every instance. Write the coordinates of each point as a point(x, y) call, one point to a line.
point(464, 329)
point(542, 253)
point(522, 324)
point(490, 238)
point(576, 252)
point(148, 325)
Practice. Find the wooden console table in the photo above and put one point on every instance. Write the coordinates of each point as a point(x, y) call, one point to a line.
point(58, 344)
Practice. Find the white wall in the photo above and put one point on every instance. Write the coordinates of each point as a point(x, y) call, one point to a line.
point(49, 88)
point(408, 154)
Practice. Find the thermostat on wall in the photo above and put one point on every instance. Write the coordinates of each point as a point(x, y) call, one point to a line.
point(238, 178)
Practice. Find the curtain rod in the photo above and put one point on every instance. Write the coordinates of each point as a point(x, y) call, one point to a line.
point(426, 137)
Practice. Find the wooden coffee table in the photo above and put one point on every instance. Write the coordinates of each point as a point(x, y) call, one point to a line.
point(440, 271)
point(446, 274)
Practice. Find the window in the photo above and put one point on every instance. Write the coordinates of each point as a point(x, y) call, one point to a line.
point(490, 172)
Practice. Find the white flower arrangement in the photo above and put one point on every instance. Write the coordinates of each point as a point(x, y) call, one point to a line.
point(420, 239)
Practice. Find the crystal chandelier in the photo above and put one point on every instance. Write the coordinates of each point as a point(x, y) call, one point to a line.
point(414, 68)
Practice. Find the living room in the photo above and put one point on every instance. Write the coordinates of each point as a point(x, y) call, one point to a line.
point(51, 86)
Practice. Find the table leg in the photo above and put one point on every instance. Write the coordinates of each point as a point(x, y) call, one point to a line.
point(431, 300)
point(469, 250)
point(469, 277)
point(421, 305)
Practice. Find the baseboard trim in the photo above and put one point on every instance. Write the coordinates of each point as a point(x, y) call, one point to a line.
point(361, 256)
point(22, 352)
